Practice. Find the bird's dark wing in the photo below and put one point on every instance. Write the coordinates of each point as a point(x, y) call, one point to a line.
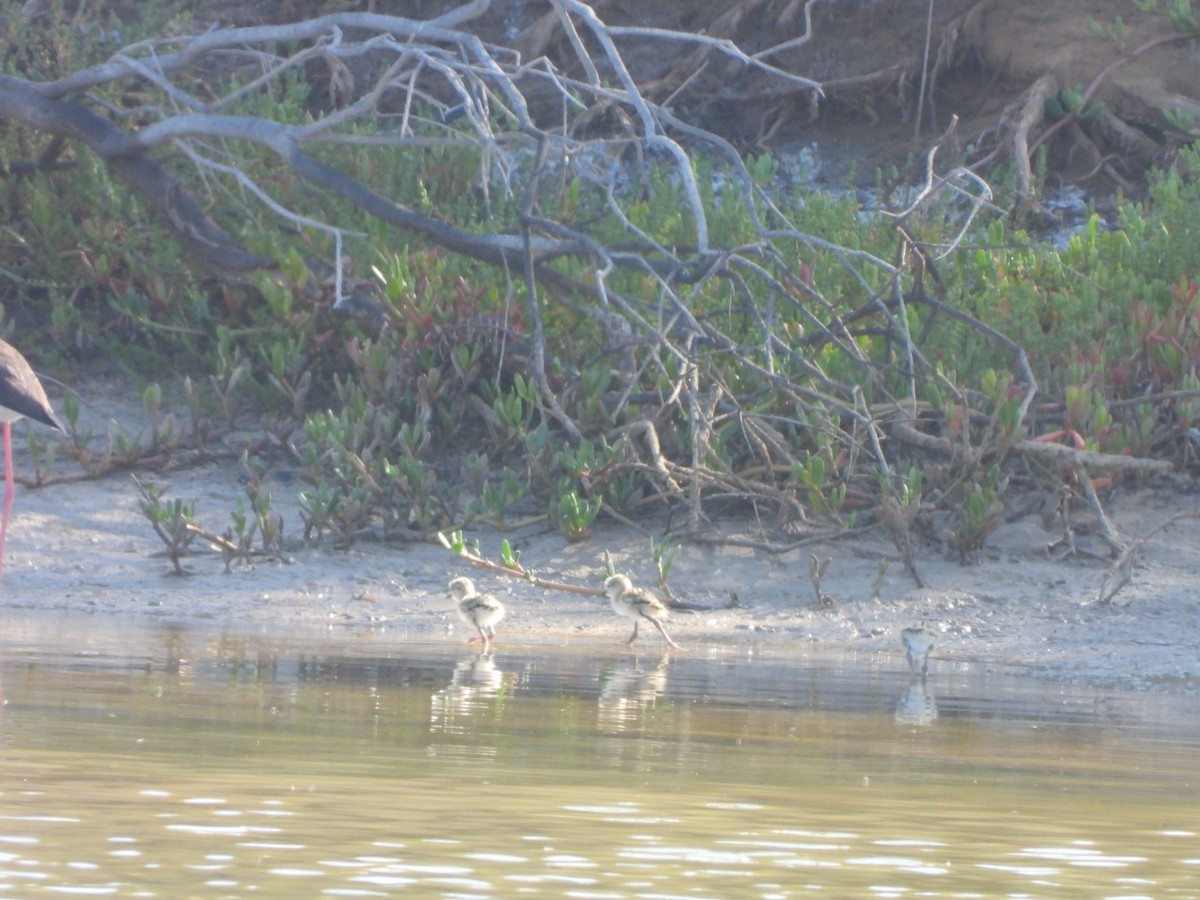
point(20, 390)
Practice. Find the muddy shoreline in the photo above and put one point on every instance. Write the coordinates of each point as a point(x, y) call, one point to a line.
point(85, 548)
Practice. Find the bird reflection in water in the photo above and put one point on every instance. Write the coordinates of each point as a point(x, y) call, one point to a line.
point(628, 691)
point(477, 687)
point(917, 705)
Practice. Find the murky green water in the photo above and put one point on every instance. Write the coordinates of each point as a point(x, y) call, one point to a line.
point(161, 762)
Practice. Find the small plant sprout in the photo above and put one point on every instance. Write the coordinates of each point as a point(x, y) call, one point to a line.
point(232, 368)
point(81, 451)
point(897, 512)
point(514, 411)
point(320, 509)
point(258, 519)
point(816, 571)
point(663, 555)
point(982, 512)
point(574, 515)
point(174, 521)
point(499, 495)
point(289, 374)
point(240, 537)
point(880, 575)
point(162, 425)
point(43, 451)
point(70, 410)
point(821, 496)
point(199, 425)
point(270, 525)
point(509, 557)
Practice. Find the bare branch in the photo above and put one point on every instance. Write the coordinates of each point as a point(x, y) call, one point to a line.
point(724, 388)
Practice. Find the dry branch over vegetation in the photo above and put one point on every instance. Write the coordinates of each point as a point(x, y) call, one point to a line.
point(664, 324)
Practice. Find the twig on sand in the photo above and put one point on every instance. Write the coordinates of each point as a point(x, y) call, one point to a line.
point(511, 566)
point(1120, 573)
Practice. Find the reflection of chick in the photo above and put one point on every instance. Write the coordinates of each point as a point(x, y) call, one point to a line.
point(482, 611)
point(917, 705)
point(628, 691)
point(918, 642)
point(472, 692)
point(476, 675)
point(633, 684)
point(637, 604)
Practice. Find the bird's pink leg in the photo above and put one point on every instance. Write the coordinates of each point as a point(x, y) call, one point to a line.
point(663, 632)
point(8, 489)
point(633, 637)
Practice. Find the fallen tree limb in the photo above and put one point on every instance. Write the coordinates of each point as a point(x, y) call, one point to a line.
point(1057, 455)
point(209, 244)
point(1061, 455)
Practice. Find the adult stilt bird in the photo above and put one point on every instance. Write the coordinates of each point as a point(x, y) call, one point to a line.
point(21, 394)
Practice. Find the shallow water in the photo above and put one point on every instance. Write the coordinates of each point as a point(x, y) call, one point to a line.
point(165, 761)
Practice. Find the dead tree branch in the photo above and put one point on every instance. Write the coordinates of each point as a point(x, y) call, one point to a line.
point(735, 375)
